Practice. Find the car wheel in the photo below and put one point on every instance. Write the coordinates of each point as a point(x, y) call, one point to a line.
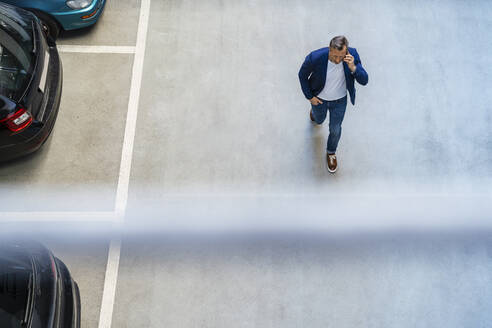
point(49, 25)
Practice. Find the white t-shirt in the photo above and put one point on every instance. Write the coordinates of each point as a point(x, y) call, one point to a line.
point(335, 86)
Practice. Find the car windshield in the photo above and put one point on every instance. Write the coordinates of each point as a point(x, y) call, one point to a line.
point(15, 286)
point(17, 46)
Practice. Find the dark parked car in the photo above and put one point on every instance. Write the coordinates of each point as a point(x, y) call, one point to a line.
point(30, 83)
point(36, 289)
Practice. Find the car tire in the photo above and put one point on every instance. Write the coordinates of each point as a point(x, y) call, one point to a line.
point(50, 25)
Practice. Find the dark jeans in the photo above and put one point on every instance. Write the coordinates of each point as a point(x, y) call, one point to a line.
point(337, 112)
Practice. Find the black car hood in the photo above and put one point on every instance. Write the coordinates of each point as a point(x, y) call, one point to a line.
point(16, 273)
point(24, 259)
point(14, 255)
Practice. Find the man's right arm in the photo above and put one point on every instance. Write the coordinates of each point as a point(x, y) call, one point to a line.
point(304, 73)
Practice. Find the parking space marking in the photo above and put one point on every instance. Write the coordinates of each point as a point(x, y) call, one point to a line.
point(110, 278)
point(111, 275)
point(97, 49)
point(57, 216)
point(131, 118)
point(118, 213)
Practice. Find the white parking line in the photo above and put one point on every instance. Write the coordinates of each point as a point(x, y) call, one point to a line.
point(111, 275)
point(58, 216)
point(131, 118)
point(124, 175)
point(96, 49)
point(110, 278)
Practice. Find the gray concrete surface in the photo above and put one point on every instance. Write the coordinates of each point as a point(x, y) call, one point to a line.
point(305, 281)
point(221, 110)
point(222, 106)
point(116, 27)
point(221, 113)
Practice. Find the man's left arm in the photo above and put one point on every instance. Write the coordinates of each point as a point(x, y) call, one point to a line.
point(359, 72)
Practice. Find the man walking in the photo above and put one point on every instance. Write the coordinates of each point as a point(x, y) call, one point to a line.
point(325, 77)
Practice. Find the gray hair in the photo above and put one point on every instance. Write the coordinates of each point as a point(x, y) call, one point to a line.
point(338, 42)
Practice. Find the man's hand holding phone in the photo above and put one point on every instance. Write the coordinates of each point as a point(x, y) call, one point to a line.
point(349, 59)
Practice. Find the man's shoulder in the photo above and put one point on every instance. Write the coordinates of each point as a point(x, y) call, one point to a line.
point(352, 51)
point(319, 54)
point(322, 53)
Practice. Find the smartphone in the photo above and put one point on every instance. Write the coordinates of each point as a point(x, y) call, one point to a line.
point(346, 53)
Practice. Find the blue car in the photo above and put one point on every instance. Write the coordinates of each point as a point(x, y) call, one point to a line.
point(56, 15)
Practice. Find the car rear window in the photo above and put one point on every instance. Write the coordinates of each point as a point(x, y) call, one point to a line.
point(17, 46)
point(14, 291)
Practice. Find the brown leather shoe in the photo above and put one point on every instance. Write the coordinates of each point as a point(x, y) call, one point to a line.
point(331, 163)
point(311, 115)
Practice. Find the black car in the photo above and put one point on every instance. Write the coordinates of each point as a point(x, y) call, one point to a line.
point(36, 289)
point(30, 83)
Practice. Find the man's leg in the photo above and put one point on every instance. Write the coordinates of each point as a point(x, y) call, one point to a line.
point(319, 112)
point(337, 113)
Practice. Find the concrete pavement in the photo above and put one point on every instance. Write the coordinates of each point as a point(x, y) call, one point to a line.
point(223, 140)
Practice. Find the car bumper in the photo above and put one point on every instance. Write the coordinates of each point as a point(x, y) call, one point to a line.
point(76, 305)
point(69, 295)
point(40, 131)
point(71, 20)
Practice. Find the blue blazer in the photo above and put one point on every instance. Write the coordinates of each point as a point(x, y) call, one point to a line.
point(312, 74)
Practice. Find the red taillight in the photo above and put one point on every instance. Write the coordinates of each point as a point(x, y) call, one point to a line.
point(17, 121)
